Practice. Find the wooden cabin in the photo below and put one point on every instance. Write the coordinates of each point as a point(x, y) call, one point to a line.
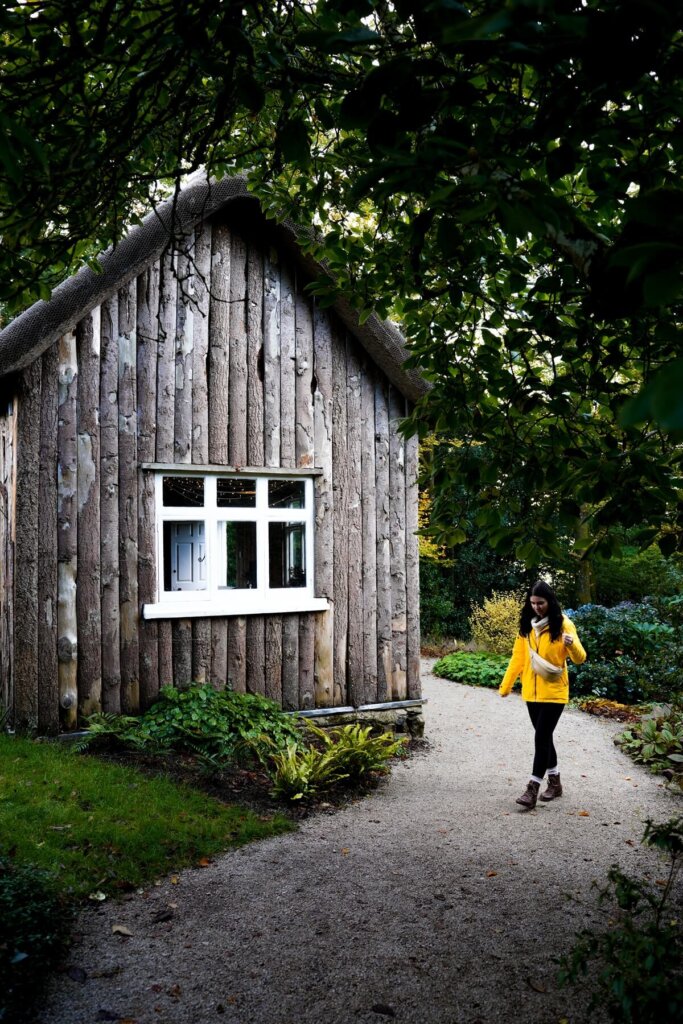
point(202, 479)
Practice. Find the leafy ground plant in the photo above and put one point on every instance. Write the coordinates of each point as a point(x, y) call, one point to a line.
point(346, 753)
point(656, 742)
point(473, 668)
point(637, 966)
point(214, 725)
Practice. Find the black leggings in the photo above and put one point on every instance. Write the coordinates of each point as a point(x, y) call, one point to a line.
point(544, 718)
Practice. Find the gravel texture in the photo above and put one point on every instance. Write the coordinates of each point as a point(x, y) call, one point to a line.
point(435, 899)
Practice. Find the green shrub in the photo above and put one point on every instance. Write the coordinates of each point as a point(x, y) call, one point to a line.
point(449, 592)
point(35, 928)
point(637, 966)
point(656, 742)
point(495, 624)
point(635, 653)
point(214, 725)
point(473, 668)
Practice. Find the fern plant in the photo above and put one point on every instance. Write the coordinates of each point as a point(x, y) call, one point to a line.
point(297, 773)
point(357, 749)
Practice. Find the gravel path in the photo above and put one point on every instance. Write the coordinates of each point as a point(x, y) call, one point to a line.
point(435, 900)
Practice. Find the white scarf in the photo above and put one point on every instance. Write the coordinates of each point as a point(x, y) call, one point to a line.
point(539, 625)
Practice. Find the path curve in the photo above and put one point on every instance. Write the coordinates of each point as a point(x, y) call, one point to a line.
point(433, 901)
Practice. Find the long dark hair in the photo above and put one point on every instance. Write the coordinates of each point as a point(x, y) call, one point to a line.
point(541, 589)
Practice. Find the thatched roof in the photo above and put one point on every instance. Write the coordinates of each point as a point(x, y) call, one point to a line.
point(33, 331)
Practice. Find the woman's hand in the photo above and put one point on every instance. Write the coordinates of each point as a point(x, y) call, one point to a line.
point(568, 639)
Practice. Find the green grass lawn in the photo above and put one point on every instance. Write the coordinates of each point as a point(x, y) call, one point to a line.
point(103, 827)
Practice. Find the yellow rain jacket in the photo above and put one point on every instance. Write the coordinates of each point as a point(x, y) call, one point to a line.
point(534, 687)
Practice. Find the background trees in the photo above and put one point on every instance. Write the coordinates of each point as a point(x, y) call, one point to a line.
point(504, 178)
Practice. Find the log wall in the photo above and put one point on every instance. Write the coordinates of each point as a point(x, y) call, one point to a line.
point(214, 354)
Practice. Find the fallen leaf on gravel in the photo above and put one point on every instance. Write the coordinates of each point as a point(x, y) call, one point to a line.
point(629, 842)
point(346, 851)
point(163, 915)
point(584, 814)
point(203, 862)
point(97, 897)
point(120, 929)
point(536, 985)
point(175, 991)
point(491, 874)
point(174, 879)
point(660, 881)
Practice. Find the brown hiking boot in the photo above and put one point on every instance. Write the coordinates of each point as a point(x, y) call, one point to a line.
point(529, 796)
point(554, 788)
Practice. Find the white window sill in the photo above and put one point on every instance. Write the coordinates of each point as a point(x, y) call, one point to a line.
point(211, 609)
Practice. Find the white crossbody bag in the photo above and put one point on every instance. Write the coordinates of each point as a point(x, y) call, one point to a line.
point(544, 668)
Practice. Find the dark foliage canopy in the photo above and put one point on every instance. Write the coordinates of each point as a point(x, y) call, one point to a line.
point(503, 177)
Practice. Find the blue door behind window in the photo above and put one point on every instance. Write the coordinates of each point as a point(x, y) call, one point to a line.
point(188, 556)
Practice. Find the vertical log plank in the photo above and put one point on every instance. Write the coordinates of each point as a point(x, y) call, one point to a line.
point(48, 681)
point(246, 673)
point(128, 498)
point(271, 360)
point(26, 551)
point(271, 452)
point(355, 687)
point(201, 628)
point(340, 484)
point(182, 431)
point(219, 345)
point(273, 660)
point(219, 371)
point(324, 508)
point(256, 624)
point(88, 607)
point(412, 569)
point(383, 493)
point(7, 490)
point(397, 541)
point(369, 520)
point(288, 458)
point(305, 452)
point(109, 507)
point(67, 536)
point(147, 332)
point(168, 294)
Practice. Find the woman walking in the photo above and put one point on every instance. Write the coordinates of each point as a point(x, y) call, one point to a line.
point(546, 638)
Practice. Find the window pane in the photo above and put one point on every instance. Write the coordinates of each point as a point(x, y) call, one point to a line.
point(232, 493)
point(184, 556)
point(287, 554)
point(183, 491)
point(240, 556)
point(286, 494)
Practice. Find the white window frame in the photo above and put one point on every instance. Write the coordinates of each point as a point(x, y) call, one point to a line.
point(215, 600)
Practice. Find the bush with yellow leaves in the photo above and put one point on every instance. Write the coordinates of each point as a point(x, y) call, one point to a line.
point(495, 623)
